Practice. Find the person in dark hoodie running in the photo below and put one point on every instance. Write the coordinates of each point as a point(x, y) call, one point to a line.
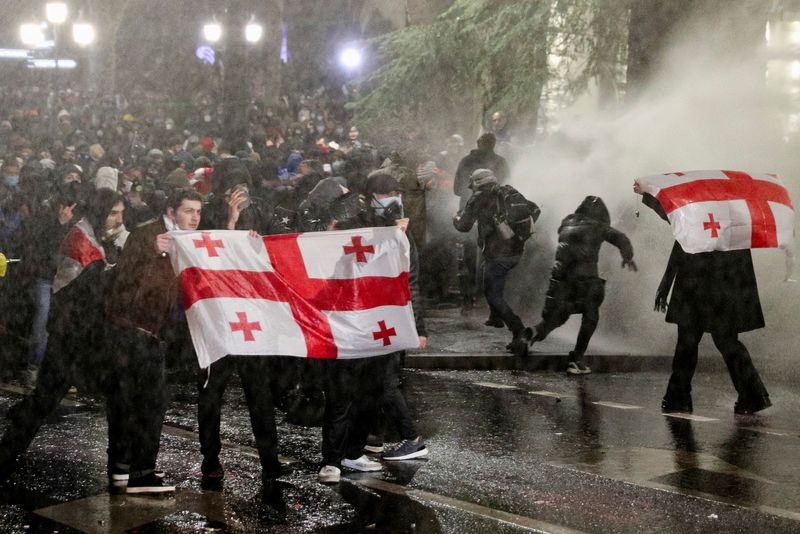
point(575, 286)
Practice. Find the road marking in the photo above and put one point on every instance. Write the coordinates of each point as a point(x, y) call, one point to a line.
point(543, 393)
point(690, 417)
point(465, 506)
point(494, 386)
point(617, 405)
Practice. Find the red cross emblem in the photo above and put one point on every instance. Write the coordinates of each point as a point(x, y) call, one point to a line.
point(306, 296)
point(209, 244)
point(738, 186)
point(359, 250)
point(712, 225)
point(245, 327)
point(384, 333)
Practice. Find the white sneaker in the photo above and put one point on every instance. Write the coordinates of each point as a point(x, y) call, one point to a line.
point(575, 368)
point(329, 474)
point(363, 464)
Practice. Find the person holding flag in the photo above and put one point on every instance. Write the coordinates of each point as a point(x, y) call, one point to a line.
point(716, 216)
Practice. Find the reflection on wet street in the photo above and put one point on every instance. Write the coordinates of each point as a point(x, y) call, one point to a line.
point(511, 451)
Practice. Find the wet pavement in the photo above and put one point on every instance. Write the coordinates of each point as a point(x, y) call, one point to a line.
point(511, 451)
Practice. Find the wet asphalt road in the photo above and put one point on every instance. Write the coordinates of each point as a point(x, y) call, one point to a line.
point(510, 452)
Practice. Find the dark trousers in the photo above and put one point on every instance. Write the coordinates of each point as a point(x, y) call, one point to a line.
point(743, 373)
point(393, 407)
point(58, 372)
point(352, 390)
point(27, 416)
point(567, 297)
point(494, 283)
point(254, 372)
point(141, 395)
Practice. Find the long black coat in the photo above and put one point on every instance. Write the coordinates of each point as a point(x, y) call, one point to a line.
point(716, 291)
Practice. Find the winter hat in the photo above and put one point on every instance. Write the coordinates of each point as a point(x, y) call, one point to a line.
point(382, 182)
point(480, 178)
point(106, 177)
point(177, 179)
point(48, 164)
point(96, 152)
point(325, 192)
point(155, 153)
point(207, 143)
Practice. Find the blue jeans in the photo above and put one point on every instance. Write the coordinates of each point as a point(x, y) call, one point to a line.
point(495, 271)
point(41, 292)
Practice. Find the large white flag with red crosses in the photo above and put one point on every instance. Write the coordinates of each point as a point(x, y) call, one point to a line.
point(342, 294)
point(724, 210)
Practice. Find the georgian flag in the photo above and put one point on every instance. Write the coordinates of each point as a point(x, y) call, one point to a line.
point(342, 294)
point(724, 210)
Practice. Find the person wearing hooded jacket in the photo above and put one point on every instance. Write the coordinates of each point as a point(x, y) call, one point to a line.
point(500, 254)
point(575, 286)
point(75, 326)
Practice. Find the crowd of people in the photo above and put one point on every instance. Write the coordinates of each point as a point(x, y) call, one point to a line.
point(91, 189)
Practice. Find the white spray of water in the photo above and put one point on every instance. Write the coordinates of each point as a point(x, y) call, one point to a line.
point(707, 109)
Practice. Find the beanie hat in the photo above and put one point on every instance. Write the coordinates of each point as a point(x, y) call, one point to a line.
point(177, 179)
point(106, 177)
point(382, 182)
point(480, 178)
point(96, 152)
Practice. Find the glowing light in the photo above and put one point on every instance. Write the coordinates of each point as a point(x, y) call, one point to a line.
point(794, 70)
point(31, 34)
point(56, 12)
point(212, 32)
point(83, 33)
point(206, 54)
point(13, 53)
point(51, 64)
point(253, 32)
point(351, 58)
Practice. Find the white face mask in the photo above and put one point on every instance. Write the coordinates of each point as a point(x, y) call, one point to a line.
point(383, 203)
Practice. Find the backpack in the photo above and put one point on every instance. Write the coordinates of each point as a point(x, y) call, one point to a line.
point(515, 215)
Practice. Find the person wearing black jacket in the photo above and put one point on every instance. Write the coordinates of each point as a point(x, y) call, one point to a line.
point(714, 292)
point(235, 209)
point(76, 341)
point(575, 286)
point(500, 254)
point(483, 157)
point(42, 237)
point(359, 393)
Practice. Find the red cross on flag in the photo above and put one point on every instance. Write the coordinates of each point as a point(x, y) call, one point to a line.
point(724, 210)
point(341, 294)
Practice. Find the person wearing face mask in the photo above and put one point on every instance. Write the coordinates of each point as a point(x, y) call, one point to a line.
point(10, 171)
point(500, 252)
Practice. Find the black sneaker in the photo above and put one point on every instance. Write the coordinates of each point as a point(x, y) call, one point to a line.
point(213, 474)
point(676, 405)
point(406, 450)
point(751, 406)
point(495, 322)
point(519, 345)
point(148, 484)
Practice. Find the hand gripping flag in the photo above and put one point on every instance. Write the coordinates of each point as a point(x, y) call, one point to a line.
point(341, 294)
point(724, 210)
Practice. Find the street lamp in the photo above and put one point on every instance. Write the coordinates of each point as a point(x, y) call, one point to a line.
point(56, 12)
point(212, 32)
point(83, 33)
point(31, 34)
point(351, 58)
point(253, 31)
